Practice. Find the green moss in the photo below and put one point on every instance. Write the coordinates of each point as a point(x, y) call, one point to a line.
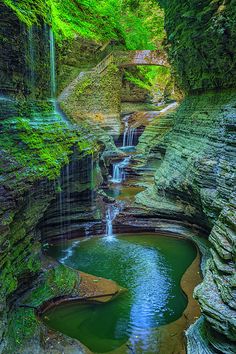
point(23, 324)
point(41, 149)
point(84, 85)
point(58, 281)
point(201, 42)
point(155, 79)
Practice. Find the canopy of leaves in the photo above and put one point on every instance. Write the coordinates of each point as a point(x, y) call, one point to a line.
point(152, 78)
point(137, 24)
point(149, 77)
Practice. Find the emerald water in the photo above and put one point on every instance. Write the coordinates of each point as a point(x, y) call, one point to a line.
point(150, 266)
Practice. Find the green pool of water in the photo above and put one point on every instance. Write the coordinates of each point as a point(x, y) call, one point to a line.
point(149, 266)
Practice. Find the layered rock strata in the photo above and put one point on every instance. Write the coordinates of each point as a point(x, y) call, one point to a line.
point(195, 183)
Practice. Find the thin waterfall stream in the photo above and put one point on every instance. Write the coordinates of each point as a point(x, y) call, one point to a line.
point(147, 265)
point(52, 65)
point(31, 60)
point(111, 214)
point(129, 134)
point(118, 174)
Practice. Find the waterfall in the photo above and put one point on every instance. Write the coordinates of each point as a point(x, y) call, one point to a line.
point(125, 132)
point(68, 201)
point(92, 186)
point(53, 84)
point(118, 170)
point(31, 60)
point(52, 65)
point(128, 138)
point(129, 132)
point(60, 205)
point(111, 214)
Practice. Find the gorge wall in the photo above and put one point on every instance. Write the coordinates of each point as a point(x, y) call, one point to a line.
point(197, 178)
point(36, 143)
point(195, 184)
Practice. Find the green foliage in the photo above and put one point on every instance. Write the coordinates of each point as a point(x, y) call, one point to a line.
point(143, 24)
point(43, 149)
point(84, 84)
point(138, 25)
point(151, 78)
point(201, 41)
point(28, 11)
point(8, 279)
point(56, 282)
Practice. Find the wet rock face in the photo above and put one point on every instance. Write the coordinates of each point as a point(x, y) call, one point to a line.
point(23, 51)
point(196, 182)
point(74, 211)
point(216, 294)
point(11, 54)
point(20, 247)
point(201, 35)
point(200, 161)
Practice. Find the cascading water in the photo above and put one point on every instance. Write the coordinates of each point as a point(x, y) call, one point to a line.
point(111, 214)
point(129, 133)
point(125, 132)
point(118, 170)
point(31, 60)
point(68, 201)
point(60, 203)
point(53, 84)
point(52, 65)
point(130, 137)
point(92, 180)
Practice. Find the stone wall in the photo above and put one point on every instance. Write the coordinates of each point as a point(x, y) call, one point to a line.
point(95, 96)
point(74, 56)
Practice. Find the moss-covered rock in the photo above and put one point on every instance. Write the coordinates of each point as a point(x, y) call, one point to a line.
point(95, 96)
point(201, 37)
point(55, 281)
point(33, 148)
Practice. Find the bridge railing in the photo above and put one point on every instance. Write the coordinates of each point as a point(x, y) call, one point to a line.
point(132, 58)
point(104, 63)
point(140, 57)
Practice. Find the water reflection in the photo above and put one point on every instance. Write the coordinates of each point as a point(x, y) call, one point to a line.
point(149, 266)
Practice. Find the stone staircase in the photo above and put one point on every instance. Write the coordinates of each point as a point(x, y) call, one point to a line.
point(121, 59)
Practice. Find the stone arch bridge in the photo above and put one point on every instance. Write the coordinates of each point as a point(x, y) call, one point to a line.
point(96, 94)
point(134, 58)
